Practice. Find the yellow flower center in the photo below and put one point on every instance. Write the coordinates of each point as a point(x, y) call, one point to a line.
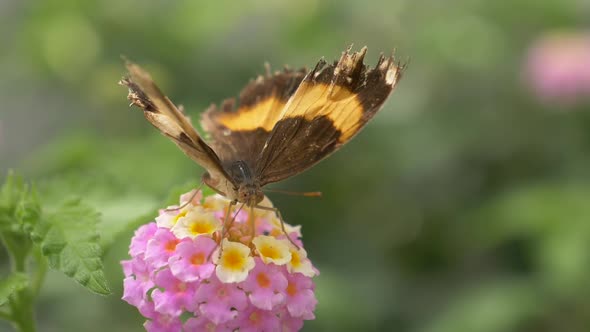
point(295, 259)
point(291, 289)
point(198, 259)
point(270, 252)
point(232, 259)
point(201, 227)
point(263, 280)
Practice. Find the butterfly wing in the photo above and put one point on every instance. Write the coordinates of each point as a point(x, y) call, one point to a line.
point(331, 105)
point(240, 134)
point(167, 118)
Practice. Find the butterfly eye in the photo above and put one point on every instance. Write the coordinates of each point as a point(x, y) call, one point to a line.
point(243, 195)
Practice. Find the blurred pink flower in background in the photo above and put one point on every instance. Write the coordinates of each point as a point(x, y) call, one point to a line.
point(183, 276)
point(558, 67)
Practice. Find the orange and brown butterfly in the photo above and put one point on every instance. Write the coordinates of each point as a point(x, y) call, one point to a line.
point(284, 123)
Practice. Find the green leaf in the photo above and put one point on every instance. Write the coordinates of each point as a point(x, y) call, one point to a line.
point(10, 194)
point(68, 238)
point(28, 210)
point(19, 205)
point(19, 212)
point(14, 283)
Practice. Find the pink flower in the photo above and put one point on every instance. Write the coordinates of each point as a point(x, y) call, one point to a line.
point(189, 263)
point(147, 310)
point(256, 320)
point(141, 238)
point(185, 266)
point(173, 296)
point(266, 285)
point(158, 322)
point(137, 282)
point(558, 67)
point(201, 323)
point(220, 302)
point(133, 291)
point(289, 323)
point(163, 323)
point(161, 247)
point(301, 299)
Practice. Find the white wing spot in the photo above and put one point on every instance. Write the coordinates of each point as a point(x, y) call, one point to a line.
point(390, 76)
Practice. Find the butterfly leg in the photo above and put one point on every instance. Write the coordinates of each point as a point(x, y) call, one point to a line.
point(187, 202)
point(252, 221)
point(227, 222)
point(278, 213)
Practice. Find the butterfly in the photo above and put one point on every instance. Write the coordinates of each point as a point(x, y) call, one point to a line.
point(284, 122)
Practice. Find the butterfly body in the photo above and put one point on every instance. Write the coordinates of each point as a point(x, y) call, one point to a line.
point(245, 190)
point(285, 122)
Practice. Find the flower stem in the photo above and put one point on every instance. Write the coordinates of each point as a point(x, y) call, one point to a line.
point(40, 273)
point(22, 311)
point(21, 304)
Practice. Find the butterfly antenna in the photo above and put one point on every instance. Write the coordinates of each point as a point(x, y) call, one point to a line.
point(296, 193)
point(190, 200)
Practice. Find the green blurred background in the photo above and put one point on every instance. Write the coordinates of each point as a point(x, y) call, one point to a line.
point(462, 207)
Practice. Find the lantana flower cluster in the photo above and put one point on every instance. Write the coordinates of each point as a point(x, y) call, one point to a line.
point(189, 273)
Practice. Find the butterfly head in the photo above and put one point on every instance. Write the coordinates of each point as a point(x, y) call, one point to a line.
point(247, 190)
point(250, 193)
